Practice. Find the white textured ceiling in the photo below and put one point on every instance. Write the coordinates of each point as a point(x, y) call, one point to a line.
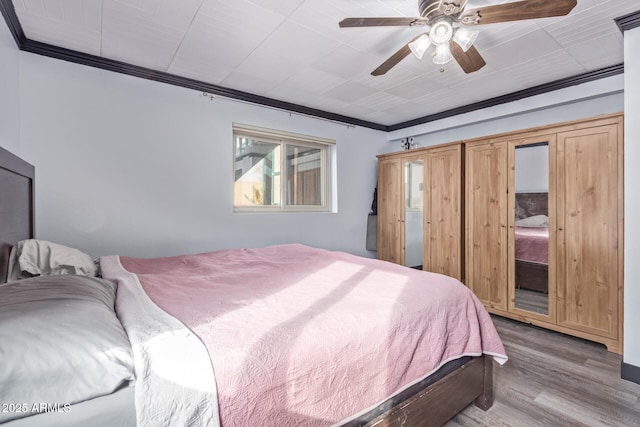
point(294, 51)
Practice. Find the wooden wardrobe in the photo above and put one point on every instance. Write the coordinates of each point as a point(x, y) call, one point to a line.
point(583, 273)
point(475, 204)
point(420, 196)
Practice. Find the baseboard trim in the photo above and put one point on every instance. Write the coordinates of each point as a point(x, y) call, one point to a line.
point(630, 372)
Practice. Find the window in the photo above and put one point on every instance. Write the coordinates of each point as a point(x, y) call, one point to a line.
point(279, 171)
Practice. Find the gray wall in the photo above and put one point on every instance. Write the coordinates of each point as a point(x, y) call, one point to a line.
point(9, 92)
point(133, 167)
point(632, 197)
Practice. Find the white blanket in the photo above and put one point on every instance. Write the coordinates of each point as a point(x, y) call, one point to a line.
point(175, 384)
point(43, 258)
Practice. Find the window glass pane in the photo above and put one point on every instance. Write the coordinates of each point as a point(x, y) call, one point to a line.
point(304, 176)
point(257, 173)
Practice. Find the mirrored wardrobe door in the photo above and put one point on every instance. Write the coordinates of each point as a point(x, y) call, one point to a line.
point(413, 212)
point(532, 291)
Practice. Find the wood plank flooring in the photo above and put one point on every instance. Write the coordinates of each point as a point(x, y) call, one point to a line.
point(553, 379)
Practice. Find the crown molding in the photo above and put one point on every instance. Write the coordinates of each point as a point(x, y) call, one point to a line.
point(628, 22)
point(27, 45)
point(172, 79)
point(10, 17)
point(39, 48)
point(514, 96)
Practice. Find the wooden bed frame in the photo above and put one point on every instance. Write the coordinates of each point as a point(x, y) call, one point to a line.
point(433, 405)
point(438, 403)
point(16, 205)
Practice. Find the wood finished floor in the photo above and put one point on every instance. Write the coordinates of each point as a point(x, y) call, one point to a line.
point(553, 379)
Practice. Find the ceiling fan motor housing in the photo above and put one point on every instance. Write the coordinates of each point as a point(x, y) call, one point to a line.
point(431, 8)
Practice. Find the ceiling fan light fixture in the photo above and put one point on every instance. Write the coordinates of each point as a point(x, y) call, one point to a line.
point(441, 32)
point(420, 45)
point(465, 38)
point(442, 55)
point(443, 18)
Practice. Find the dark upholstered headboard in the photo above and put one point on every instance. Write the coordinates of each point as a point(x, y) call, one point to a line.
point(530, 204)
point(17, 215)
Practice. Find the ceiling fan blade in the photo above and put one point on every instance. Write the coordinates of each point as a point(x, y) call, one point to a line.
point(382, 22)
point(516, 11)
point(394, 59)
point(470, 60)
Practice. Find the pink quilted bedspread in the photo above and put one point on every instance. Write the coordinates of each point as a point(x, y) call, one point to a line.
point(532, 244)
point(306, 337)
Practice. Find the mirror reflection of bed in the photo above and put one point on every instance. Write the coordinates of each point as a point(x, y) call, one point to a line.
point(414, 215)
point(532, 228)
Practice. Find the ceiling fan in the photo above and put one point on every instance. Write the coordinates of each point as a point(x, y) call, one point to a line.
point(445, 21)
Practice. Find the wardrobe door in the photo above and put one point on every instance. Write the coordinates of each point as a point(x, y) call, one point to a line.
point(390, 212)
point(588, 239)
point(486, 222)
point(443, 212)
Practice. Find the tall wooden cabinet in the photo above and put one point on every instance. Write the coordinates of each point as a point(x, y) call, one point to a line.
point(443, 243)
point(589, 216)
point(583, 293)
point(390, 210)
point(477, 204)
point(425, 183)
point(486, 171)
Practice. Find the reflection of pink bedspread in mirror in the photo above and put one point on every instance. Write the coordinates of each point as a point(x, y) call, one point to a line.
point(532, 244)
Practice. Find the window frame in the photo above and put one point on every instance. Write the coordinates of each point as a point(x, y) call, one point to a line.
point(284, 139)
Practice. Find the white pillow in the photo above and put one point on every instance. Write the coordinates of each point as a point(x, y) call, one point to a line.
point(42, 258)
point(533, 221)
point(60, 342)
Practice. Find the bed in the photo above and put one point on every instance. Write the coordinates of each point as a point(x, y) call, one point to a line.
point(532, 242)
point(188, 339)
